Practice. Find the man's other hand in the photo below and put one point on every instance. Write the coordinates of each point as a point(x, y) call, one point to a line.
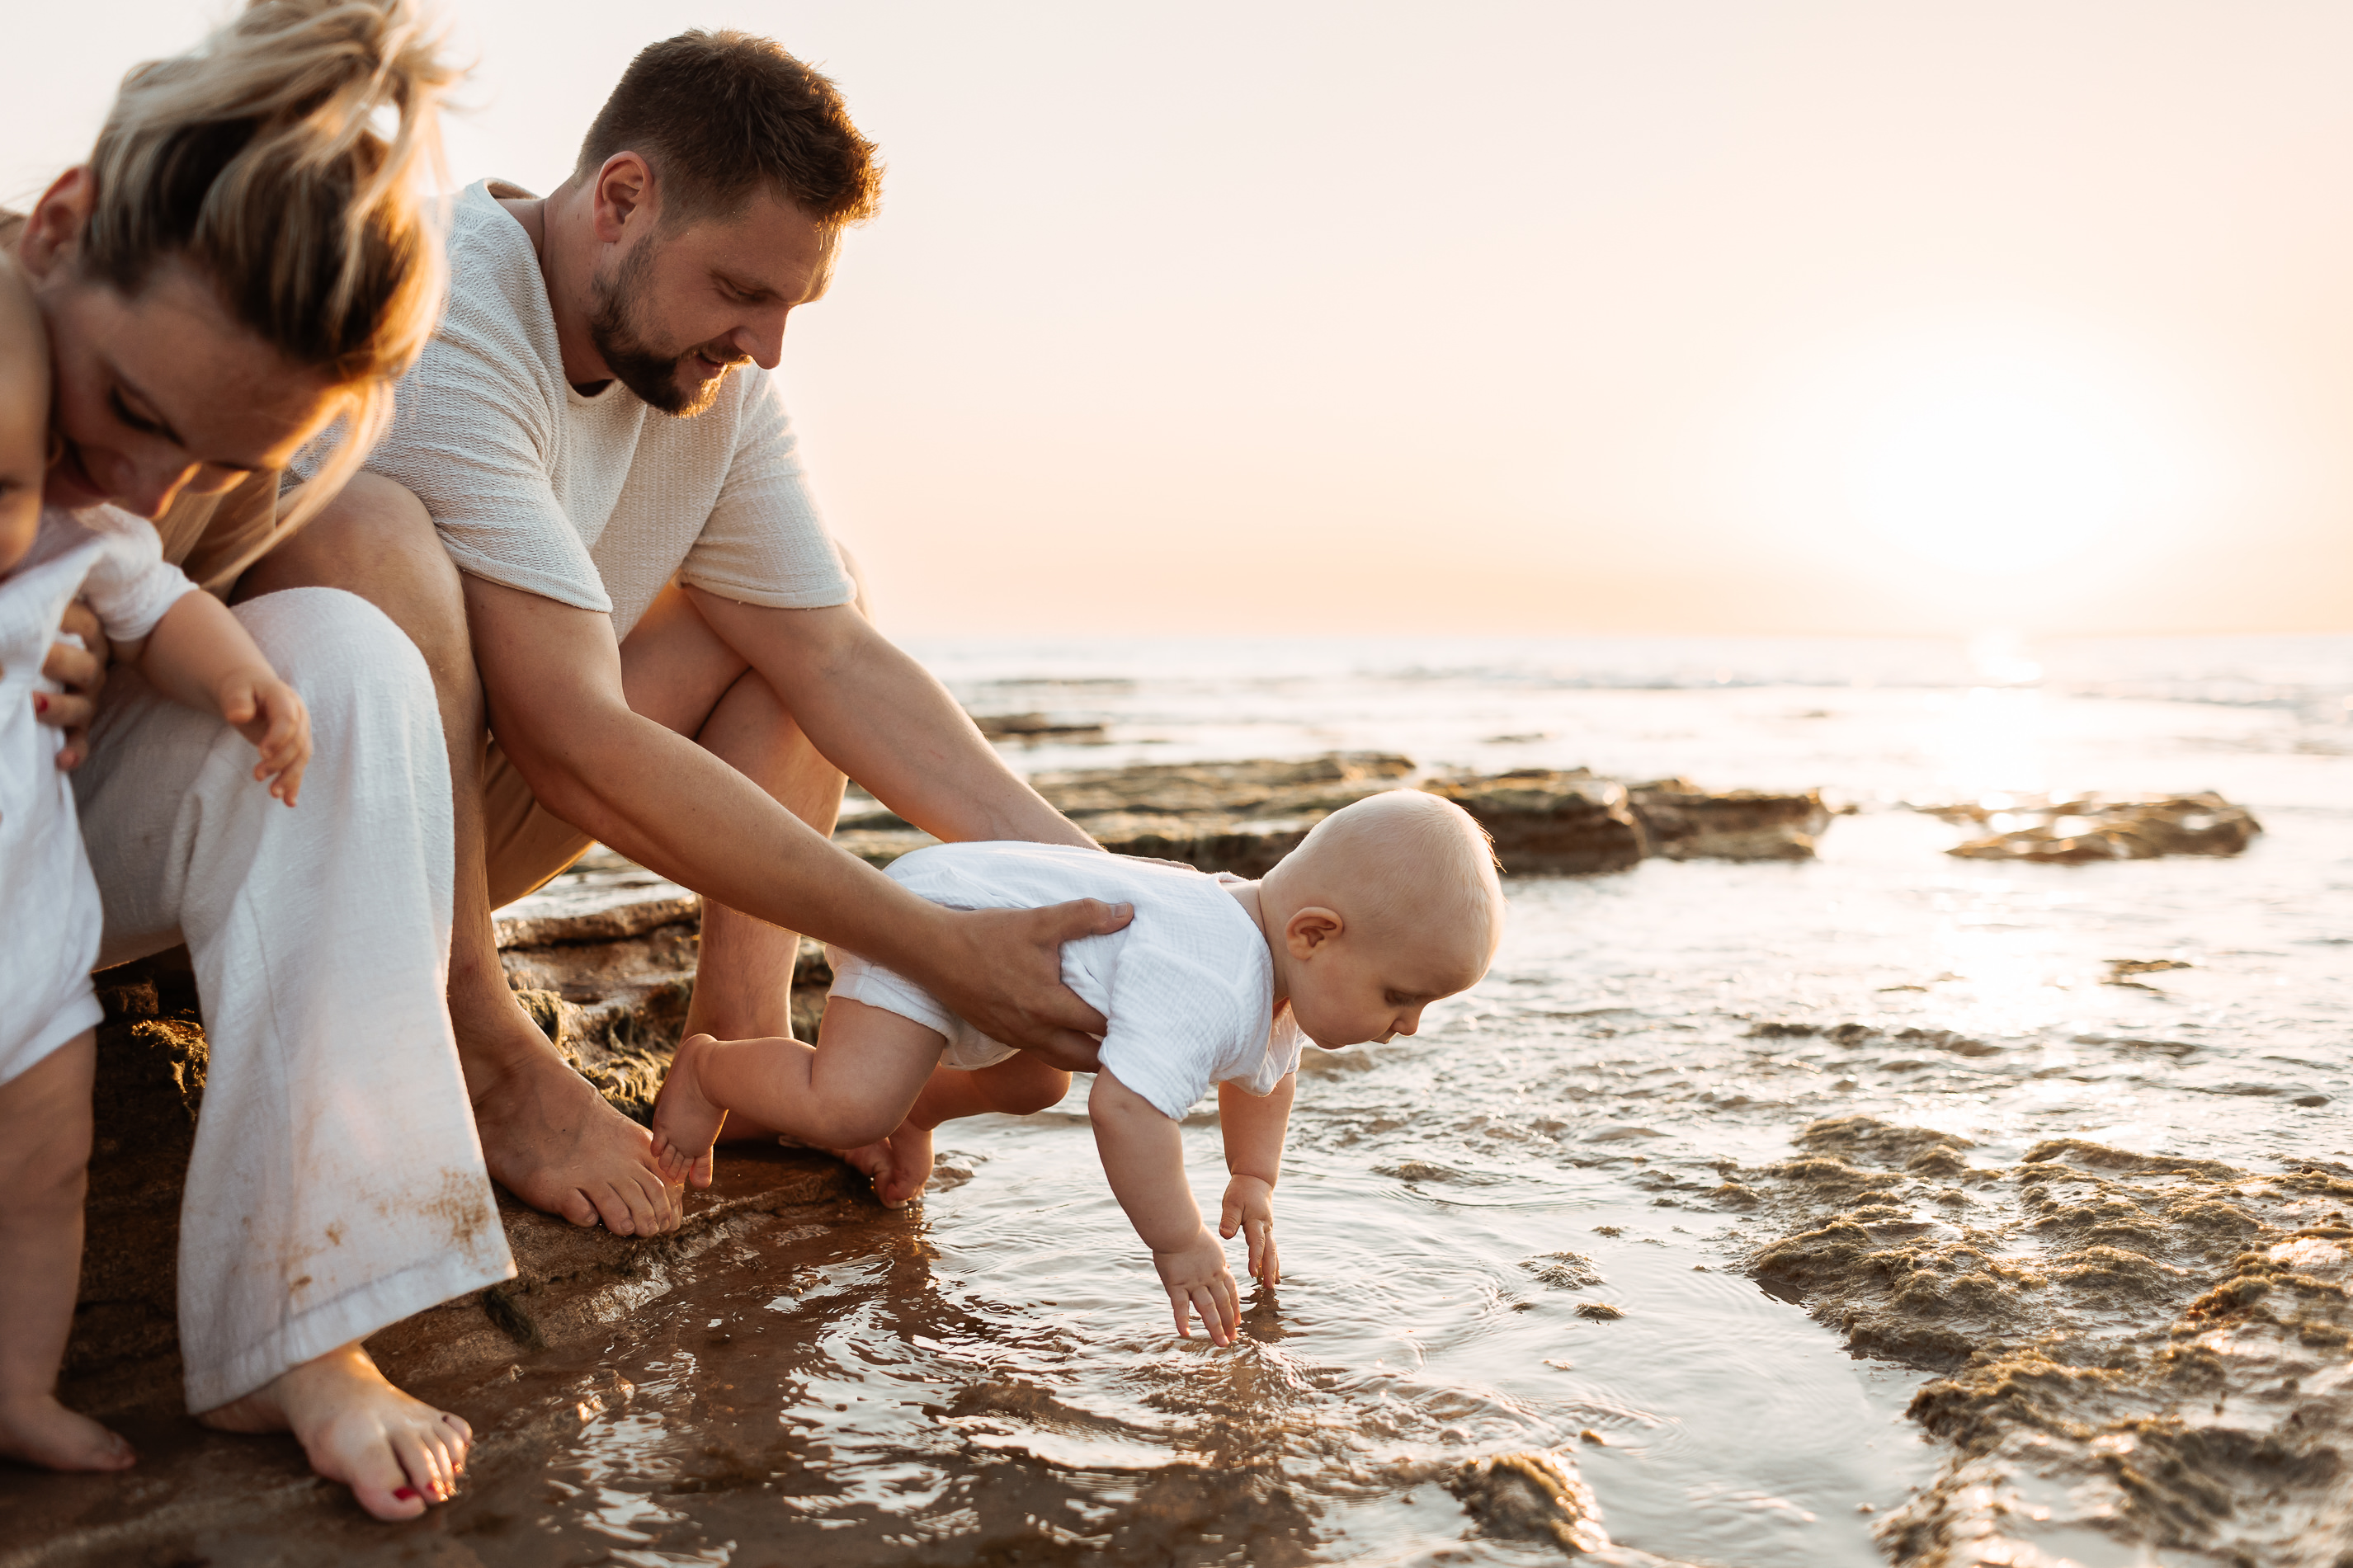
point(83, 672)
point(1005, 978)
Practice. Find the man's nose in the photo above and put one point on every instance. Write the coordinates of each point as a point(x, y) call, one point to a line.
point(763, 341)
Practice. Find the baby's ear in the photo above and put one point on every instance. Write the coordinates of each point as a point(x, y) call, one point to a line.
point(1310, 929)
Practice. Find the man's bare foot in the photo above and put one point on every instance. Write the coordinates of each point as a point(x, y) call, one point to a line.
point(40, 1431)
point(550, 1140)
point(686, 1122)
point(900, 1165)
point(395, 1453)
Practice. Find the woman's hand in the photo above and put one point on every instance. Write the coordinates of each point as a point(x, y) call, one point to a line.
point(1250, 1209)
point(81, 671)
point(1197, 1280)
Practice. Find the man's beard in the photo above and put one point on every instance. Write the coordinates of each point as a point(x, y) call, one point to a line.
point(653, 376)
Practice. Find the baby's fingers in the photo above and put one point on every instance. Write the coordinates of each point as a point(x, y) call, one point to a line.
point(1230, 1217)
point(1181, 1300)
point(1203, 1299)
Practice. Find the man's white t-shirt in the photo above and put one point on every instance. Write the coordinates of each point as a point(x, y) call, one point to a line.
point(592, 501)
point(1186, 987)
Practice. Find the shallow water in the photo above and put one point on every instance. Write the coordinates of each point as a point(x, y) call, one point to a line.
point(992, 1377)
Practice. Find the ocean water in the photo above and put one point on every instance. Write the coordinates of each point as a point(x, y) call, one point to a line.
point(992, 1378)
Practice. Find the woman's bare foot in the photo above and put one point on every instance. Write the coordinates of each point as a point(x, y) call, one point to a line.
point(40, 1431)
point(686, 1122)
point(900, 1165)
point(395, 1453)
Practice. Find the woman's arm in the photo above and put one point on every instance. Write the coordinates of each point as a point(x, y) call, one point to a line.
point(1143, 1154)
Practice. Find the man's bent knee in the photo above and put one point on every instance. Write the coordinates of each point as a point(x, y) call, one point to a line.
point(375, 540)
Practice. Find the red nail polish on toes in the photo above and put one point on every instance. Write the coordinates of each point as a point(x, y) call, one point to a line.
point(405, 1493)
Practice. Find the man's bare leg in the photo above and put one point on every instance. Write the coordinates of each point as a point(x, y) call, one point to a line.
point(398, 1454)
point(548, 1136)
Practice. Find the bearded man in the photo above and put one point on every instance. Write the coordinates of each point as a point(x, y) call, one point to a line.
point(632, 584)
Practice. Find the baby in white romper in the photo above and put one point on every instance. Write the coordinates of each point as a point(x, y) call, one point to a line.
point(188, 644)
point(1388, 906)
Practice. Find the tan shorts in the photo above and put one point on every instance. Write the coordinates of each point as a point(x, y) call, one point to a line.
point(526, 843)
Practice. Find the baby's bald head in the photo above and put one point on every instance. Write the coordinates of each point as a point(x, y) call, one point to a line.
point(1403, 867)
point(23, 415)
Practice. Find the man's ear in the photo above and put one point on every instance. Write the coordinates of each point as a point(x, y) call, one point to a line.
point(624, 190)
point(1310, 930)
point(53, 233)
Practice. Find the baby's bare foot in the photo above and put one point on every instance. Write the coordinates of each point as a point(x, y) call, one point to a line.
point(898, 1164)
point(686, 1123)
point(40, 1431)
point(395, 1453)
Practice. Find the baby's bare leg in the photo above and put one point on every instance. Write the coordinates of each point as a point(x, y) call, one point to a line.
point(44, 1171)
point(1017, 1086)
point(851, 1088)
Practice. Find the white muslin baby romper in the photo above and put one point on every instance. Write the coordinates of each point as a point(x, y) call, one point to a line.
point(1186, 987)
point(51, 921)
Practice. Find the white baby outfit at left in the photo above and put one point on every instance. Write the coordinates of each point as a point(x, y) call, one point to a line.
point(1186, 987)
point(50, 920)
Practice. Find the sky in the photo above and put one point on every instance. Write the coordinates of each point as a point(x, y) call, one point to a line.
point(1690, 316)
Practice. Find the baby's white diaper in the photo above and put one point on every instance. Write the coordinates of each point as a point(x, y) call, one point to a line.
point(861, 980)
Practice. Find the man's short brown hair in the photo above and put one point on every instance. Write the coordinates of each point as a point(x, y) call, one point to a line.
point(718, 114)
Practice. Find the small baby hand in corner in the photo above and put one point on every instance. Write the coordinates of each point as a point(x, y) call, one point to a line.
point(1198, 1280)
point(269, 713)
point(1250, 1209)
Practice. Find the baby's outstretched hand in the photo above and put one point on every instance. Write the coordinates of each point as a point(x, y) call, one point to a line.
point(1250, 1208)
point(269, 713)
point(1198, 1280)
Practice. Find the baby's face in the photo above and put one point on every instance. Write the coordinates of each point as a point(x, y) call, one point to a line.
point(1358, 986)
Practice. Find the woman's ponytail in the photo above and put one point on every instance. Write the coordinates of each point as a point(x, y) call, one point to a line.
point(283, 157)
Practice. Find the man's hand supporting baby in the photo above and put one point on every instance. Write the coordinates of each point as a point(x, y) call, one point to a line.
point(1143, 1154)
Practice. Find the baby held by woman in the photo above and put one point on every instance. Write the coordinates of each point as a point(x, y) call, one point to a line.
point(192, 649)
point(1388, 906)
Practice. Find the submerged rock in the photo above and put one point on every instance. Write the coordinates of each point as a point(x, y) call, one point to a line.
point(2079, 832)
point(2151, 1347)
point(1533, 1494)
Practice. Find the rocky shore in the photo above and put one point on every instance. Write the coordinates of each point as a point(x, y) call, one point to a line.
point(2085, 1308)
point(2132, 1347)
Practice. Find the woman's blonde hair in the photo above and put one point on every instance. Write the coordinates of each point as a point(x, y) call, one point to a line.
point(283, 157)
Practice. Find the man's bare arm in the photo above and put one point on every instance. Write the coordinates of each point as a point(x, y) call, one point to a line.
point(552, 675)
point(880, 717)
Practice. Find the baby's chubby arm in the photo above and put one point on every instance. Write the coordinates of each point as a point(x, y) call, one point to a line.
point(198, 654)
point(1143, 1154)
point(1254, 1127)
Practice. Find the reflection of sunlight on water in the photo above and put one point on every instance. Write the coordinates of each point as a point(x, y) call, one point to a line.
point(1994, 748)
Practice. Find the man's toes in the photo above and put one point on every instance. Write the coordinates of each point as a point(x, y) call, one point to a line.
point(575, 1206)
point(613, 1208)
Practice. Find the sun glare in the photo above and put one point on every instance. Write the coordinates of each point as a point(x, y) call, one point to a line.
point(2000, 465)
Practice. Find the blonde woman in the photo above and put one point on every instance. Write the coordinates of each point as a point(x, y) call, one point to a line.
point(241, 266)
